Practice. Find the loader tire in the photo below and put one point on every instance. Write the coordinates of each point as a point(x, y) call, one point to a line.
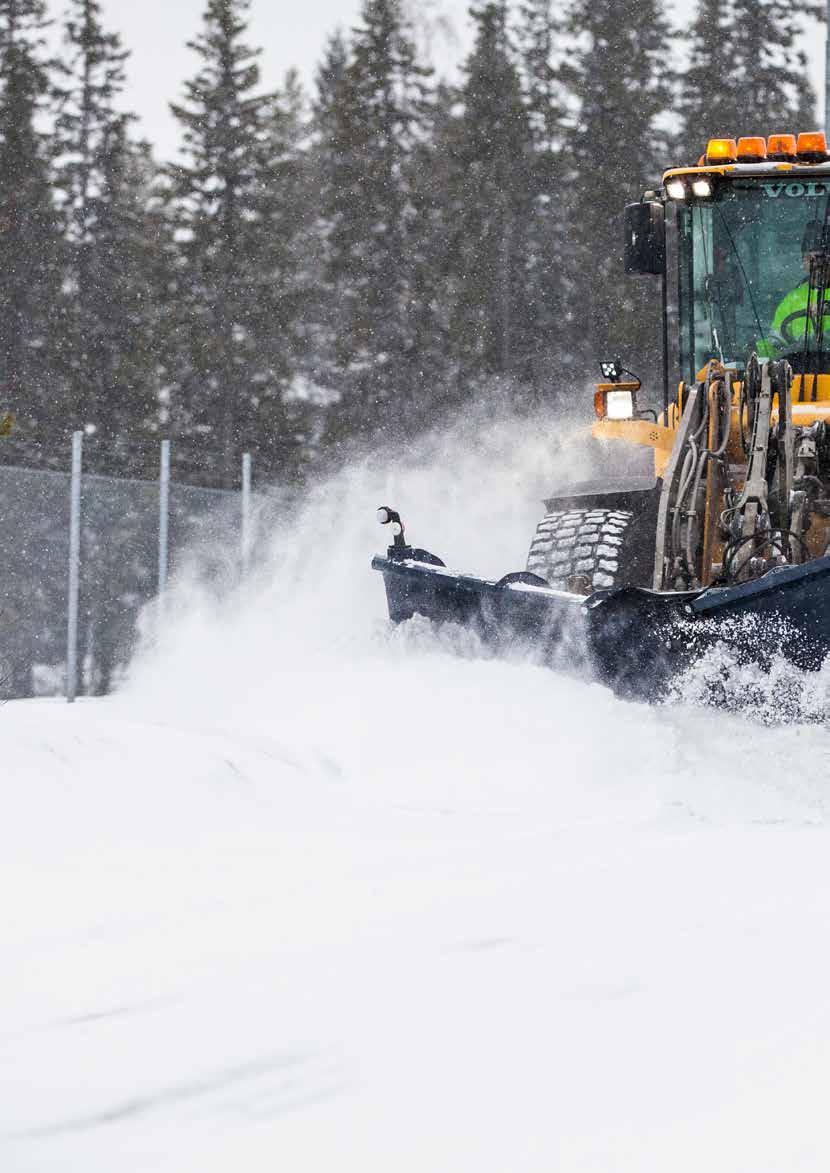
point(589, 549)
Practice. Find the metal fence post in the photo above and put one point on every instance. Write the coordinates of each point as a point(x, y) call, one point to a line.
point(164, 519)
point(74, 567)
point(246, 511)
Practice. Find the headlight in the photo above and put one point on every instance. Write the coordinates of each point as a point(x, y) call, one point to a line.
point(702, 187)
point(676, 189)
point(390, 517)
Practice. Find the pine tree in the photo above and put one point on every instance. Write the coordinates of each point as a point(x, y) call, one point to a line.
point(616, 147)
point(105, 182)
point(30, 276)
point(708, 110)
point(124, 310)
point(233, 357)
point(331, 162)
point(769, 66)
point(329, 80)
point(370, 121)
point(549, 278)
point(277, 430)
point(432, 292)
point(539, 35)
point(491, 192)
point(747, 72)
point(109, 356)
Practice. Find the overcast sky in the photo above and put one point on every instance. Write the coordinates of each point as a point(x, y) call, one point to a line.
point(291, 32)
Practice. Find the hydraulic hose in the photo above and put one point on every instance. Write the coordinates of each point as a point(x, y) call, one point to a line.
point(707, 455)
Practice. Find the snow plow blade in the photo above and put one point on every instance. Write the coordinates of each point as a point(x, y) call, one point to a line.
point(632, 639)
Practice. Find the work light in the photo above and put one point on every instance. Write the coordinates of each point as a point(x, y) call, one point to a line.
point(676, 189)
point(619, 405)
point(702, 187)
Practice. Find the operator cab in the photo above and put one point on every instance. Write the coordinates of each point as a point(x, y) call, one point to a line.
point(748, 252)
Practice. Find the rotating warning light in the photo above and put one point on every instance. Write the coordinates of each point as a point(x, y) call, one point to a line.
point(721, 150)
point(752, 150)
point(781, 148)
point(812, 147)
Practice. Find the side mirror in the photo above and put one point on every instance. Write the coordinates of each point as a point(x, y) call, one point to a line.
point(645, 238)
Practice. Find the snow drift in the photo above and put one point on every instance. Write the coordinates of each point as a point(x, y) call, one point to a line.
point(316, 895)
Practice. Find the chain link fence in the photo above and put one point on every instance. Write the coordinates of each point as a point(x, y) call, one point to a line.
point(122, 551)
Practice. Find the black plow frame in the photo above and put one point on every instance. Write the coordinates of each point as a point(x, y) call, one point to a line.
point(632, 639)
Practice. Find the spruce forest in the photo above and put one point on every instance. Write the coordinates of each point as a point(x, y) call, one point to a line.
point(356, 261)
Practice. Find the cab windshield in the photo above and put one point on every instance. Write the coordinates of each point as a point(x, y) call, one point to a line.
point(744, 284)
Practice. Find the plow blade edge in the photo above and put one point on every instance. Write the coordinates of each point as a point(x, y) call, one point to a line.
point(632, 639)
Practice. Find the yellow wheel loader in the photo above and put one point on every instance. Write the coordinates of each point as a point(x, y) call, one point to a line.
point(727, 541)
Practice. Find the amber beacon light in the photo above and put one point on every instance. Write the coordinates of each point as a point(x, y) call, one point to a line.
point(812, 147)
point(781, 148)
point(752, 150)
point(722, 150)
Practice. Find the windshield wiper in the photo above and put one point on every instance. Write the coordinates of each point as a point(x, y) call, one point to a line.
point(711, 290)
point(746, 281)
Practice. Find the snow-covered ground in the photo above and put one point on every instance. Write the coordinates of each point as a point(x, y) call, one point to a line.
point(309, 896)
